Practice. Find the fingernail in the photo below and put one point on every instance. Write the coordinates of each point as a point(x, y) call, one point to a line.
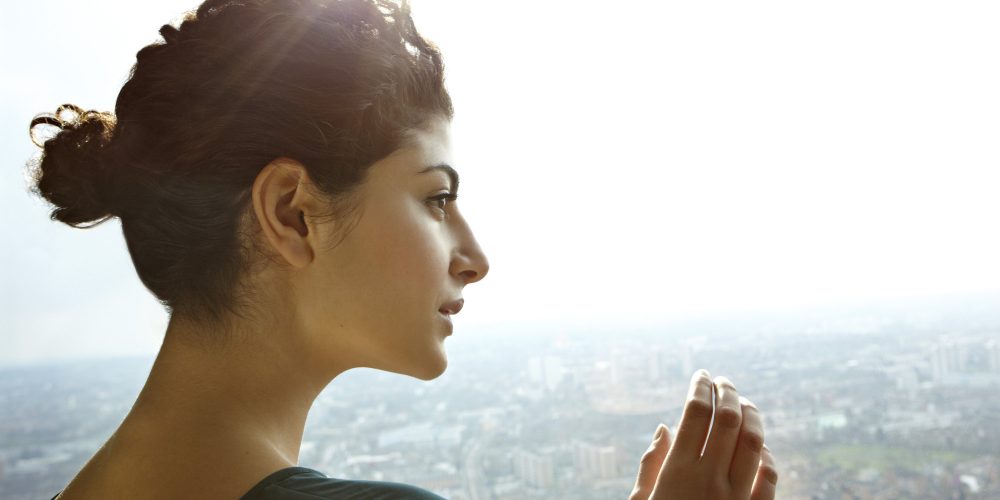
point(660, 430)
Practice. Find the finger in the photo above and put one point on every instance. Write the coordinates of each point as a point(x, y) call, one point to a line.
point(767, 478)
point(695, 421)
point(650, 464)
point(746, 458)
point(725, 429)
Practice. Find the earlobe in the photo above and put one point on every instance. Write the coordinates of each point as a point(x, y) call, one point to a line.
point(280, 199)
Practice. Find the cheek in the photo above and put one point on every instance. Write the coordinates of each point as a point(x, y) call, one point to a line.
point(419, 257)
point(410, 254)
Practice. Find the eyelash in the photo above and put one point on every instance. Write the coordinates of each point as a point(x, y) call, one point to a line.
point(451, 197)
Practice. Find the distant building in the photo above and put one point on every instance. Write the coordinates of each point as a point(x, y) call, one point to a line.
point(904, 375)
point(508, 488)
point(621, 363)
point(993, 355)
point(419, 435)
point(596, 462)
point(656, 360)
point(536, 469)
point(948, 358)
point(687, 361)
point(546, 372)
point(423, 434)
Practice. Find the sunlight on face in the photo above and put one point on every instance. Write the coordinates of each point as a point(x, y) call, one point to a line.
point(379, 293)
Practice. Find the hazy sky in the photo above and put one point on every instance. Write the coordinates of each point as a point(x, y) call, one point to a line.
point(620, 163)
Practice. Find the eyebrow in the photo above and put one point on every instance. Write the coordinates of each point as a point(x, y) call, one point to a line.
point(452, 174)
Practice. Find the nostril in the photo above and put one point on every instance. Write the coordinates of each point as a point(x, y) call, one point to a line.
point(469, 276)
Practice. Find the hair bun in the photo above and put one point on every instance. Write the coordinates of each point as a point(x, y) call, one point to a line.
point(73, 172)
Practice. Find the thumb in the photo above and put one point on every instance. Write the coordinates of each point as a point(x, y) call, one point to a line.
point(650, 464)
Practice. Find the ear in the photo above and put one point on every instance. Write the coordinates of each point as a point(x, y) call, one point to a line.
point(281, 199)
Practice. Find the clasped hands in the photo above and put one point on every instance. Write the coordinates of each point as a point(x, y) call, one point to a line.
point(732, 462)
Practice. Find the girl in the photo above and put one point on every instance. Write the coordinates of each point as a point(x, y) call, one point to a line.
point(281, 171)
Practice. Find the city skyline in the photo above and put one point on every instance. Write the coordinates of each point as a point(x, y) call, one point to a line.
point(872, 403)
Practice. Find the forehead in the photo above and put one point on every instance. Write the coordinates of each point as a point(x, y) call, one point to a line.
point(430, 143)
point(422, 147)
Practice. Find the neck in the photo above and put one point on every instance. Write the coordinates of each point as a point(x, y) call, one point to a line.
point(246, 395)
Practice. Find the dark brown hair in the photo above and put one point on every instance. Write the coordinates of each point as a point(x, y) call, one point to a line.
point(334, 84)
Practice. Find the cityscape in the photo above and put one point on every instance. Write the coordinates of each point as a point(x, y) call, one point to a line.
point(878, 402)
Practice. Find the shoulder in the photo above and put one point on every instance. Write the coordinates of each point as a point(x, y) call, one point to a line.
point(301, 483)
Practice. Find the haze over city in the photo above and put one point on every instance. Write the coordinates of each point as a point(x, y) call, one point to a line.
point(679, 161)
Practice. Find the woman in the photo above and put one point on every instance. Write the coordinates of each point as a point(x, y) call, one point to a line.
point(281, 172)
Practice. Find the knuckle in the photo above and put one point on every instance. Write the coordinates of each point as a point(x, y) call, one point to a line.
point(698, 408)
point(769, 473)
point(728, 418)
point(651, 457)
point(753, 440)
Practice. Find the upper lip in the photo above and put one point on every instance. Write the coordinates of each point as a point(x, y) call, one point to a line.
point(452, 307)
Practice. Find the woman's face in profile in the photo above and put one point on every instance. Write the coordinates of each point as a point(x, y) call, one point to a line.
point(381, 290)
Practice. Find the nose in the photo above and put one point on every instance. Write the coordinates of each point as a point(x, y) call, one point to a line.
point(470, 263)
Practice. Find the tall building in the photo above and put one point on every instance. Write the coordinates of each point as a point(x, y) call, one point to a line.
point(993, 355)
point(687, 360)
point(536, 469)
point(546, 372)
point(621, 363)
point(948, 357)
point(656, 361)
point(596, 462)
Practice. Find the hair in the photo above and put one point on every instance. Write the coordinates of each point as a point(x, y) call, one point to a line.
point(333, 84)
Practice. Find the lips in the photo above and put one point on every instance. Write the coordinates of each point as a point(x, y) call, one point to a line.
point(452, 307)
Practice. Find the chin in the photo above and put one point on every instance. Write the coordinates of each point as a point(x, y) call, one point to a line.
point(432, 369)
point(433, 374)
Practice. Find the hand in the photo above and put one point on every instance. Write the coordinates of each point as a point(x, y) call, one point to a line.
point(736, 463)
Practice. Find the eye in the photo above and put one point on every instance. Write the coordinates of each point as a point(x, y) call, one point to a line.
point(441, 200)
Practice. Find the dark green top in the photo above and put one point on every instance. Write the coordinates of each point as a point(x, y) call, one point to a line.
point(301, 483)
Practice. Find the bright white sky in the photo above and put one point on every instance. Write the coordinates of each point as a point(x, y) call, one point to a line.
point(619, 164)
